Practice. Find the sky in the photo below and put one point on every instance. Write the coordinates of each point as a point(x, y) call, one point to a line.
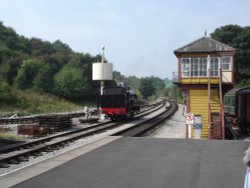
point(139, 35)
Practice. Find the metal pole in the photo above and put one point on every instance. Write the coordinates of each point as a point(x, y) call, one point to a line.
point(221, 101)
point(101, 87)
point(103, 48)
point(102, 61)
point(209, 96)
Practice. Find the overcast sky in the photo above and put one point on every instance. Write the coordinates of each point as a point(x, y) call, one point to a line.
point(139, 35)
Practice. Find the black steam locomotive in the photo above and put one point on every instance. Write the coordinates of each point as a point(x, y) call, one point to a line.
point(119, 103)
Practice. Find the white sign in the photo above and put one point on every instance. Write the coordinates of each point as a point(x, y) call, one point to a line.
point(189, 119)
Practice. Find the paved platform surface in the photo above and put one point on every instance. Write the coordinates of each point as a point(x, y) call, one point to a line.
point(151, 163)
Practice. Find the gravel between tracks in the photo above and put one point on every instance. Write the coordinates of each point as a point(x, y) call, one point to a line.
point(172, 128)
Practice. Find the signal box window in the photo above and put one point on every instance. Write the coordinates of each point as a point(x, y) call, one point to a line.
point(226, 63)
point(185, 67)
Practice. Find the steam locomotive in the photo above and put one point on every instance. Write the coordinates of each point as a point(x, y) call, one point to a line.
point(119, 103)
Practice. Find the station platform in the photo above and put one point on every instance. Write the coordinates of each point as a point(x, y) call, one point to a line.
point(149, 163)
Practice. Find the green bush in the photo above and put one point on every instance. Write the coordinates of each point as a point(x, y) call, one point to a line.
point(6, 95)
point(71, 83)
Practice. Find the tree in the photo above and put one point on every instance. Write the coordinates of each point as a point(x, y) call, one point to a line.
point(27, 72)
point(43, 80)
point(118, 77)
point(58, 46)
point(14, 62)
point(158, 83)
point(147, 88)
point(71, 83)
point(239, 38)
point(6, 96)
point(227, 34)
point(5, 69)
point(40, 48)
point(176, 94)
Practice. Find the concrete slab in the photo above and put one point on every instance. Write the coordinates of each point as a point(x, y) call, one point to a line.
point(151, 162)
point(39, 168)
point(12, 181)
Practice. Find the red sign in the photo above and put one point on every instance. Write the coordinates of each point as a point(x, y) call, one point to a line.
point(189, 118)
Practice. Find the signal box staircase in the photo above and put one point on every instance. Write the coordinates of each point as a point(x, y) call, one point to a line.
point(216, 111)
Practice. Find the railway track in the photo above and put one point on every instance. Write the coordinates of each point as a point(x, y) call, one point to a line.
point(23, 152)
point(37, 118)
point(148, 125)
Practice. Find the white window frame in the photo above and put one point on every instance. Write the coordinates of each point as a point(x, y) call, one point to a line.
point(185, 67)
point(203, 66)
point(194, 67)
point(198, 66)
point(214, 63)
point(226, 61)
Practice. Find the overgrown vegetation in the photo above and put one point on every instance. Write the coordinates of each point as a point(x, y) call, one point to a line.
point(39, 76)
point(32, 102)
point(42, 66)
point(9, 136)
point(239, 38)
point(31, 69)
point(146, 88)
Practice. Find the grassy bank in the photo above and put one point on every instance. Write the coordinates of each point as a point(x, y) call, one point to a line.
point(31, 102)
point(9, 136)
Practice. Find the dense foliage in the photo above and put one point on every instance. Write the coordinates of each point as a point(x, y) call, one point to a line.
point(239, 38)
point(43, 66)
point(144, 87)
point(33, 65)
point(54, 68)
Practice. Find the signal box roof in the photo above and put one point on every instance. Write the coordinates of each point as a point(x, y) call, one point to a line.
point(205, 44)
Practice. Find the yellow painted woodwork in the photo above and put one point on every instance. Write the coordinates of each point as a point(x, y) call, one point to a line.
point(199, 106)
point(199, 80)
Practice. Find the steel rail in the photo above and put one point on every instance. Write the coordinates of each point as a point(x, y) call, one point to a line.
point(20, 153)
point(147, 109)
point(144, 127)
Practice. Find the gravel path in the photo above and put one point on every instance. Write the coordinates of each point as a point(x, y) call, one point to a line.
point(172, 128)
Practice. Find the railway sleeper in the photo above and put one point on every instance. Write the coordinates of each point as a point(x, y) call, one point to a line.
point(48, 149)
point(13, 161)
point(36, 154)
point(23, 159)
point(4, 165)
point(56, 147)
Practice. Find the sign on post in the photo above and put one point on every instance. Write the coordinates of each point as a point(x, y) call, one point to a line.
point(189, 122)
point(197, 126)
point(189, 118)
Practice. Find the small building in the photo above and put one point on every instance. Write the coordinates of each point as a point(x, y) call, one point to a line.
point(205, 74)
